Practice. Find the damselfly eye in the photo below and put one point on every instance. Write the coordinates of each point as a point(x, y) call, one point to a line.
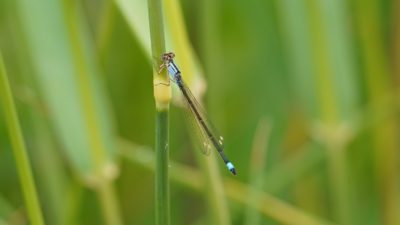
point(168, 56)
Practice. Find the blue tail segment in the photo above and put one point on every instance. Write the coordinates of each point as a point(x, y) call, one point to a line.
point(231, 168)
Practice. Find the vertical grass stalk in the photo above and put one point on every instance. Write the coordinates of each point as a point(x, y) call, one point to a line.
point(257, 171)
point(162, 180)
point(335, 75)
point(385, 134)
point(162, 95)
point(20, 154)
point(98, 147)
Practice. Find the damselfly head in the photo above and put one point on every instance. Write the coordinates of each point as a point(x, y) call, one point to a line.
point(167, 57)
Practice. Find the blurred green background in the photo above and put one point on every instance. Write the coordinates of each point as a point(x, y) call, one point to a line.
point(306, 94)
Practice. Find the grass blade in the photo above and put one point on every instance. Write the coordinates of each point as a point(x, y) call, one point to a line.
point(379, 84)
point(257, 170)
point(162, 95)
point(269, 206)
point(68, 79)
point(20, 153)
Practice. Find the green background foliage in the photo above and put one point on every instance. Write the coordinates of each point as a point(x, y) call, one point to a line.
point(305, 94)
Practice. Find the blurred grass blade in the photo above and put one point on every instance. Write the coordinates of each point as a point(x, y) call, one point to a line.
point(52, 177)
point(68, 77)
point(214, 188)
point(55, 73)
point(62, 90)
point(257, 170)
point(334, 67)
point(272, 207)
point(95, 112)
point(93, 101)
point(297, 36)
point(295, 168)
point(269, 206)
point(105, 27)
point(136, 15)
point(336, 76)
point(19, 149)
point(300, 52)
point(379, 84)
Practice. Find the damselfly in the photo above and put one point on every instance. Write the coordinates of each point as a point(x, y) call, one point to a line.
point(209, 134)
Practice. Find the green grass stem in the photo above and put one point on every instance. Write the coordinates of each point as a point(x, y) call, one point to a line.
point(162, 95)
point(257, 170)
point(20, 153)
point(379, 84)
point(162, 173)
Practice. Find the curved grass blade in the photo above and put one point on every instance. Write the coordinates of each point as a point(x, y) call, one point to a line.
point(19, 149)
